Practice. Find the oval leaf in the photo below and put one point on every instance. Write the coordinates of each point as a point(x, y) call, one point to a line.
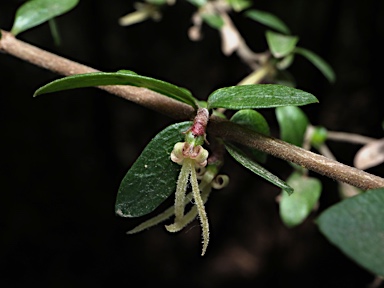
point(293, 123)
point(248, 163)
point(213, 20)
point(258, 96)
point(356, 227)
point(123, 77)
point(35, 12)
point(256, 122)
point(281, 45)
point(319, 63)
point(295, 208)
point(152, 178)
point(268, 19)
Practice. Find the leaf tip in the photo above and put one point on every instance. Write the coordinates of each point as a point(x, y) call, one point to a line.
point(289, 190)
point(120, 212)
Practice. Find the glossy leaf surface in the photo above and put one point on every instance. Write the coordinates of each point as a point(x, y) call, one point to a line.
point(356, 227)
point(258, 96)
point(295, 208)
point(152, 178)
point(268, 19)
point(123, 77)
point(36, 12)
point(248, 163)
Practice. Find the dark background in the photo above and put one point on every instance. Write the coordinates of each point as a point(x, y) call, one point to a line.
point(63, 155)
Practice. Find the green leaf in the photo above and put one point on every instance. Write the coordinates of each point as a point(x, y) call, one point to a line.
point(293, 123)
point(35, 12)
point(319, 63)
point(285, 62)
point(157, 2)
point(54, 31)
point(319, 136)
point(268, 19)
point(122, 77)
point(213, 20)
point(281, 45)
point(295, 208)
point(239, 5)
point(248, 163)
point(258, 96)
point(198, 3)
point(356, 227)
point(256, 122)
point(152, 178)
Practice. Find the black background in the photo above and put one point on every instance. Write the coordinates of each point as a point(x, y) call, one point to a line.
point(63, 155)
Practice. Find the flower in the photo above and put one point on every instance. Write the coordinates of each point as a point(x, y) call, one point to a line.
point(191, 156)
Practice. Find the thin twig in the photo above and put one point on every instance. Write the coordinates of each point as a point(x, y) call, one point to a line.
point(349, 137)
point(60, 65)
point(218, 127)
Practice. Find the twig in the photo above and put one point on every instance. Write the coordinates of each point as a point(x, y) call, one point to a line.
point(147, 98)
point(218, 127)
point(349, 137)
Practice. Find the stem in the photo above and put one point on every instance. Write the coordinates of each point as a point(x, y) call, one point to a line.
point(349, 137)
point(278, 148)
point(142, 96)
point(218, 127)
point(256, 76)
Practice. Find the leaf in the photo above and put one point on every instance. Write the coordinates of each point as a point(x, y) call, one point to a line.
point(157, 2)
point(152, 178)
point(239, 5)
point(295, 208)
point(122, 77)
point(256, 122)
point(293, 123)
point(54, 31)
point(285, 62)
point(36, 12)
point(258, 96)
point(213, 20)
point(319, 136)
point(268, 19)
point(248, 163)
point(281, 45)
point(356, 227)
point(319, 63)
point(370, 155)
point(198, 3)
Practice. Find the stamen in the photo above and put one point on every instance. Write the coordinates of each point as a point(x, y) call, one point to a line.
point(181, 189)
point(200, 208)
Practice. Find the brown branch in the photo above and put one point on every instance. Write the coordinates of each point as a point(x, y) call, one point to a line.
point(60, 65)
point(177, 110)
point(315, 162)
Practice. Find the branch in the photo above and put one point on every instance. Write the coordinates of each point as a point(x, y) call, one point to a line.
point(177, 110)
point(142, 96)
